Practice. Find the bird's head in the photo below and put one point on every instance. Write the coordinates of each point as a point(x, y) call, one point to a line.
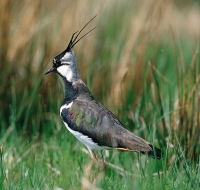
point(65, 63)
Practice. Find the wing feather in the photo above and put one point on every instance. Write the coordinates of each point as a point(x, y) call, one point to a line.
point(97, 122)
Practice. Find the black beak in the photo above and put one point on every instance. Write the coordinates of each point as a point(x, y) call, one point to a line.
point(52, 69)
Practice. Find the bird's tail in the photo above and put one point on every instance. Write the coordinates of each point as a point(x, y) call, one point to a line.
point(154, 153)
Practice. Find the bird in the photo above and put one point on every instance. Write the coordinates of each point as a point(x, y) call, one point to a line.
point(88, 120)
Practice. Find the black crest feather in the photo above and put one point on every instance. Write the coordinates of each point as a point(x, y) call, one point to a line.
point(74, 40)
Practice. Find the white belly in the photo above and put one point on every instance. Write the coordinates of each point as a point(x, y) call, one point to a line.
point(88, 142)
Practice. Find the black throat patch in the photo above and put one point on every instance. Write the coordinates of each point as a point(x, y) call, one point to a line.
point(71, 93)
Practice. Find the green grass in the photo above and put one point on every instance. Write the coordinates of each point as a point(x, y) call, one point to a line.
point(147, 70)
point(59, 161)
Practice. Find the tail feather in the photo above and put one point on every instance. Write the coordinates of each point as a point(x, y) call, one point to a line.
point(154, 153)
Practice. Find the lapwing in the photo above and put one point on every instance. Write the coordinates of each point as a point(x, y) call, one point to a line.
point(87, 119)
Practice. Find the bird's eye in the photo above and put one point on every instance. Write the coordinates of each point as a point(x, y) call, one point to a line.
point(56, 62)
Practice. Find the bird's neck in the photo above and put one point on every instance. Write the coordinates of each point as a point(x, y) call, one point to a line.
point(71, 93)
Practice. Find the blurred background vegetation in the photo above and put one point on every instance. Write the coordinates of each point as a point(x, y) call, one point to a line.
point(142, 62)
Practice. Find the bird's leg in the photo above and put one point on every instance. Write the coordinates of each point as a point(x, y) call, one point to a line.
point(103, 161)
point(100, 172)
point(93, 156)
point(103, 164)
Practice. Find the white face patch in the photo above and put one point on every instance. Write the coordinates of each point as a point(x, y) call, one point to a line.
point(66, 71)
